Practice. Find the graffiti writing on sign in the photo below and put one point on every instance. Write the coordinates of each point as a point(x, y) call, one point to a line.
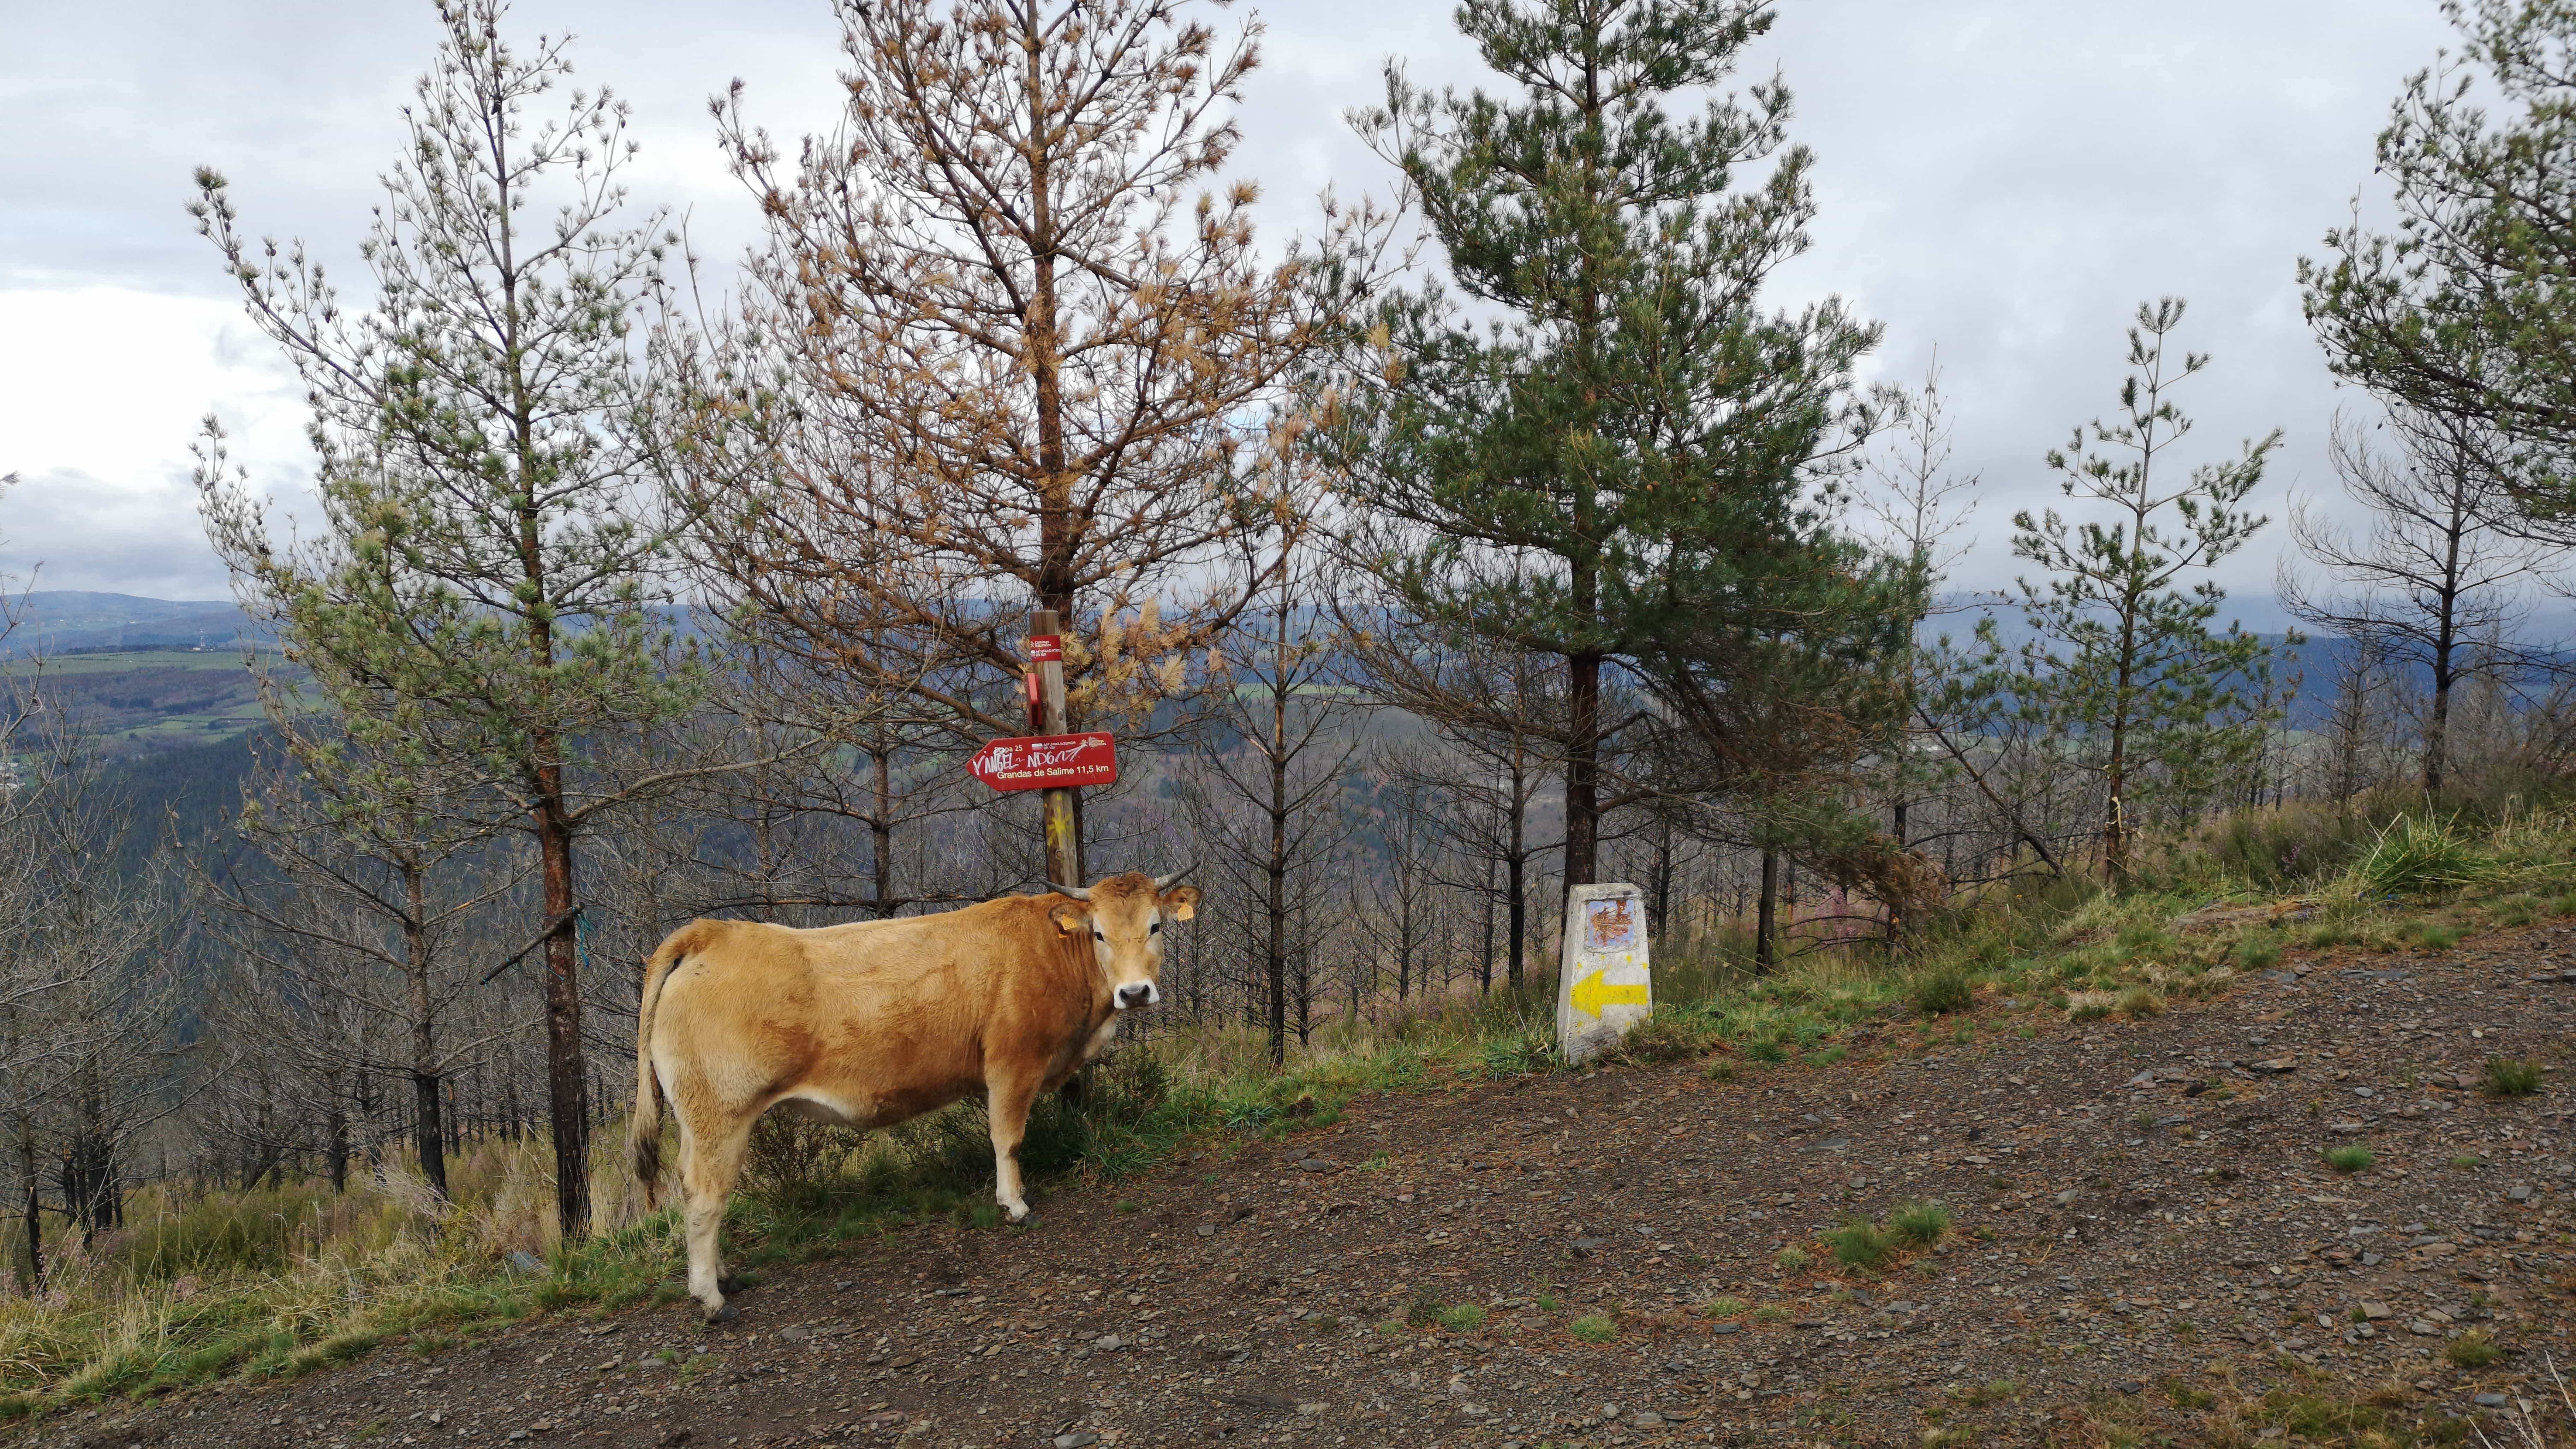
point(1610, 925)
point(1048, 762)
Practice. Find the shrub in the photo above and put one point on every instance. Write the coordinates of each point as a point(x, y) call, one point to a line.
point(1791, 1259)
point(1859, 1243)
point(2506, 1077)
point(1593, 1328)
point(2416, 856)
point(2351, 1159)
point(1921, 1224)
point(1424, 1310)
point(1944, 992)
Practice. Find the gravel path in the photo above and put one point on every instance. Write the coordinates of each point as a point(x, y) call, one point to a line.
point(2147, 1243)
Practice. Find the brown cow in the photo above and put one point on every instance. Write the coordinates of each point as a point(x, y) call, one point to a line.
point(872, 1023)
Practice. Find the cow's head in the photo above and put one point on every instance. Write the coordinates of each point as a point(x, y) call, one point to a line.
point(1124, 917)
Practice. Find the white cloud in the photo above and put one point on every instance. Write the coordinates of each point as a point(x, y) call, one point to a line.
point(2003, 178)
point(97, 411)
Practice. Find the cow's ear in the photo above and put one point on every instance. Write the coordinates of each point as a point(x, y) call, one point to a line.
point(1182, 902)
point(1070, 917)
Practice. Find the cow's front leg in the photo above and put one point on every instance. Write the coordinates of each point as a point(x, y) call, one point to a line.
point(1007, 1095)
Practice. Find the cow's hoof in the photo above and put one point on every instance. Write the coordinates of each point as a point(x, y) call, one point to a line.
point(724, 1313)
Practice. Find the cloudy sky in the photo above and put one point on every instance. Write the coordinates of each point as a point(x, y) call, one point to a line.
point(2000, 180)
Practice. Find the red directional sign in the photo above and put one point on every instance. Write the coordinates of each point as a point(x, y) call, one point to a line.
point(1048, 762)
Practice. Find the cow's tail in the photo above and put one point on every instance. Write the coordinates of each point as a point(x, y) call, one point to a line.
point(644, 1128)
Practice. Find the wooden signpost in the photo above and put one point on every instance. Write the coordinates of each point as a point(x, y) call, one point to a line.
point(1604, 988)
point(1051, 760)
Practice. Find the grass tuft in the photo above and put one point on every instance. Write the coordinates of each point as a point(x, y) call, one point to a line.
point(2141, 1002)
point(2474, 1349)
point(1944, 992)
point(1920, 1224)
point(2351, 1159)
point(1594, 1327)
point(2416, 856)
point(2509, 1077)
point(1859, 1243)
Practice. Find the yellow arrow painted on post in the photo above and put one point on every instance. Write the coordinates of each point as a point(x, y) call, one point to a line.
point(1591, 993)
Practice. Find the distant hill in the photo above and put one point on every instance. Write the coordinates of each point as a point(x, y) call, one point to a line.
point(72, 621)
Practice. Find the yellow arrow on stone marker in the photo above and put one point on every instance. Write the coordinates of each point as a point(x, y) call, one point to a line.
point(1591, 993)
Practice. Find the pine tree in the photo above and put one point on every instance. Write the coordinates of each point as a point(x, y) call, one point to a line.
point(1615, 471)
point(1000, 353)
point(2467, 309)
point(482, 559)
point(2124, 661)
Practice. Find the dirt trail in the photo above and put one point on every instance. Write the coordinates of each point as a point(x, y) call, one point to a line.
point(2141, 1209)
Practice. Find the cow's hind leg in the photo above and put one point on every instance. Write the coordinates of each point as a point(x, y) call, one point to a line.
point(711, 1161)
point(1007, 1095)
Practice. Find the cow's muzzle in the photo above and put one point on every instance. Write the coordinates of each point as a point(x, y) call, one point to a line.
point(1140, 994)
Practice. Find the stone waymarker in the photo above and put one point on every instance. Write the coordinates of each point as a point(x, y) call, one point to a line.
point(1603, 988)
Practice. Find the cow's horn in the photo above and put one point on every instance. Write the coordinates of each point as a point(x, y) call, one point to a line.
point(1164, 882)
point(1079, 893)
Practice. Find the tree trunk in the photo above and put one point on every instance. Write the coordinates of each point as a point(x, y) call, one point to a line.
point(881, 833)
point(2437, 725)
point(428, 1131)
point(335, 1143)
point(1275, 874)
point(1766, 916)
point(33, 1215)
point(1516, 891)
point(1583, 771)
point(567, 1074)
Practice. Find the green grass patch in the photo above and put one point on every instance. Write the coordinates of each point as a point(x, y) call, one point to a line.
point(1859, 1243)
point(2474, 1349)
point(1919, 1224)
point(1463, 1317)
point(1943, 992)
point(2417, 856)
point(1593, 1328)
point(2355, 1158)
point(2509, 1077)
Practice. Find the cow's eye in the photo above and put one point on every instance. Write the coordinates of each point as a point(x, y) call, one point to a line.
point(1095, 934)
point(1149, 930)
